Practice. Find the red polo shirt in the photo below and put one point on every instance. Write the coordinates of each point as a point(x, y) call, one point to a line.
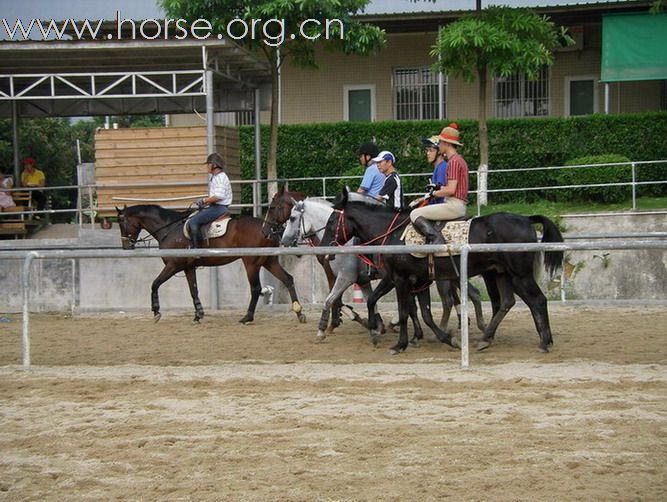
point(457, 169)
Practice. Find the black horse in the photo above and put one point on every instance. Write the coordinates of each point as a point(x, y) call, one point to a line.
point(166, 227)
point(504, 273)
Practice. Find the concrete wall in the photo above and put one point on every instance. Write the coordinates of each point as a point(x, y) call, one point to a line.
point(608, 274)
point(115, 284)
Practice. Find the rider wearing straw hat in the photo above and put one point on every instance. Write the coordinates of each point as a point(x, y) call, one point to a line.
point(455, 191)
point(218, 200)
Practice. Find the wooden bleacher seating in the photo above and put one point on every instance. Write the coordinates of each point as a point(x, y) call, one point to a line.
point(12, 223)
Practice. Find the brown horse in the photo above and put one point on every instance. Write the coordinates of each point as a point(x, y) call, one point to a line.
point(166, 227)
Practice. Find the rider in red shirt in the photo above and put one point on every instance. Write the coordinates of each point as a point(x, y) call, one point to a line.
point(455, 192)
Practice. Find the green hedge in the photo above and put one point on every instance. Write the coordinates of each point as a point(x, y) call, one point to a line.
point(330, 149)
point(591, 175)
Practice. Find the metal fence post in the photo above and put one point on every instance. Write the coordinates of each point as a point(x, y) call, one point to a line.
point(25, 337)
point(465, 362)
point(634, 187)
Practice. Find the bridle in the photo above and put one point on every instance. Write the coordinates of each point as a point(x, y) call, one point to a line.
point(341, 229)
point(305, 235)
point(272, 228)
point(133, 241)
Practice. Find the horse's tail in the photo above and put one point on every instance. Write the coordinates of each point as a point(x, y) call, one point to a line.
point(553, 260)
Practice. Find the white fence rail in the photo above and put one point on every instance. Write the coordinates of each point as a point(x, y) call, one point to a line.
point(28, 256)
point(326, 184)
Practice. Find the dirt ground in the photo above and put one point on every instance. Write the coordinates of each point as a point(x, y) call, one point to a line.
point(116, 407)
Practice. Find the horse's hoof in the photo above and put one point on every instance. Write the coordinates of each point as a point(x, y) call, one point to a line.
point(415, 342)
point(394, 351)
point(296, 307)
point(455, 343)
point(302, 317)
point(330, 329)
point(246, 320)
point(393, 327)
point(195, 321)
point(157, 316)
point(543, 350)
point(321, 336)
point(483, 345)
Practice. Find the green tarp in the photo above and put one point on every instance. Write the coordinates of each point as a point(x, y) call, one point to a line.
point(634, 47)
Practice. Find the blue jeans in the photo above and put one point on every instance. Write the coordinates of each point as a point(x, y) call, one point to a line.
point(206, 215)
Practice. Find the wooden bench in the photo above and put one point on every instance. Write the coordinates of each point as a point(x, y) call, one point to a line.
point(13, 224)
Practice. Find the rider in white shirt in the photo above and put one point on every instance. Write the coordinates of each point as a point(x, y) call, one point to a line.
point(218, 200)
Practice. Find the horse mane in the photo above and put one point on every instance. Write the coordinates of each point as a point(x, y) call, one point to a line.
point(162, 212)
point(372, 203)
point(319, 200)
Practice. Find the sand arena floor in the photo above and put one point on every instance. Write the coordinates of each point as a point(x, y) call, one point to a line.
point(119, 408)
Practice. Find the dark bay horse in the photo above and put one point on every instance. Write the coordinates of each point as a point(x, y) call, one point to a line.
point(166, 227)
point(504, 273)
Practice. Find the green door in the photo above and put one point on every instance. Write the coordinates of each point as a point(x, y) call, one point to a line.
point(582, 97)
point(359, 105)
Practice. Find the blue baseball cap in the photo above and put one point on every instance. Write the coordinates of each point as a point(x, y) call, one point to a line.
point(385, 155)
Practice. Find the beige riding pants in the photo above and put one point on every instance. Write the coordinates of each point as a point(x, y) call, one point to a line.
point(448, 210)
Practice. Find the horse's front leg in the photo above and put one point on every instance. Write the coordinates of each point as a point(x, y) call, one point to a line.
point(191, 276)
point(343, 281)
point(404, 298)
point(375, 324)
point(167, 272)
point(337, 304)
point(273, 265)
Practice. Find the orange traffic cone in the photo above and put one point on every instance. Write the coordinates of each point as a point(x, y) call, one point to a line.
point(357, 294)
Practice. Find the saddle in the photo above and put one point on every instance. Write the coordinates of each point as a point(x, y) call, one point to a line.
point(217, 228)
point(454, 232)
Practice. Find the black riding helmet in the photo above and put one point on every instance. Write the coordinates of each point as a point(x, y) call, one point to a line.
point(215, 159)
point(369, 149)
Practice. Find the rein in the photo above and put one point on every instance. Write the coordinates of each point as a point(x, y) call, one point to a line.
point(150, 237)
point(340, 227)
point(391, 229)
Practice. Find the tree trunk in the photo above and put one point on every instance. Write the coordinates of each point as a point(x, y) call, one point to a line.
point(483, 136)
point(272, 163)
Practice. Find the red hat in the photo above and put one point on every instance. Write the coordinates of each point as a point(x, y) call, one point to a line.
point(450, 134)
point(29, 160)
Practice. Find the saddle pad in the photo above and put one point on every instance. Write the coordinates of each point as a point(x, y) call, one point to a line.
point(454, 232)
point(217, 228)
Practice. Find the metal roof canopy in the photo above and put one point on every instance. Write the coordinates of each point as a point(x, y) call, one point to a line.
point(52, 78)
point(125, 77)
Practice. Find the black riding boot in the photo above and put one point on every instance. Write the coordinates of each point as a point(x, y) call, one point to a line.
point(426, 228)
point(195, 239)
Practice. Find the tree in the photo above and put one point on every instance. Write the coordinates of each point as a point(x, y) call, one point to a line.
point(500, 41)
point(286, 18)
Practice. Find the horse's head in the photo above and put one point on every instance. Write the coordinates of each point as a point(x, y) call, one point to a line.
point(129, 228)
point(294, 225)
point(279, 211)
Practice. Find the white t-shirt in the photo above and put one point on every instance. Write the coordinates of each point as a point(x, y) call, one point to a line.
point(220, 187)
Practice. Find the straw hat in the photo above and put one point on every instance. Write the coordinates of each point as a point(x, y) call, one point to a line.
point(450, 134)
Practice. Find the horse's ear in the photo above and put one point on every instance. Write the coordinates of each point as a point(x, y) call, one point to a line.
point(117, 210)
point(281, 190)
point(293, 201)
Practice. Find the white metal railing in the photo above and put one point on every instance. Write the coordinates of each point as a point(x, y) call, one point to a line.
point(326, 190)
point(28, 256)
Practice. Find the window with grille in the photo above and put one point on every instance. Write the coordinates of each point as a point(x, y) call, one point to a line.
point(516, 96)
point(245, 118)
point(416, 93)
